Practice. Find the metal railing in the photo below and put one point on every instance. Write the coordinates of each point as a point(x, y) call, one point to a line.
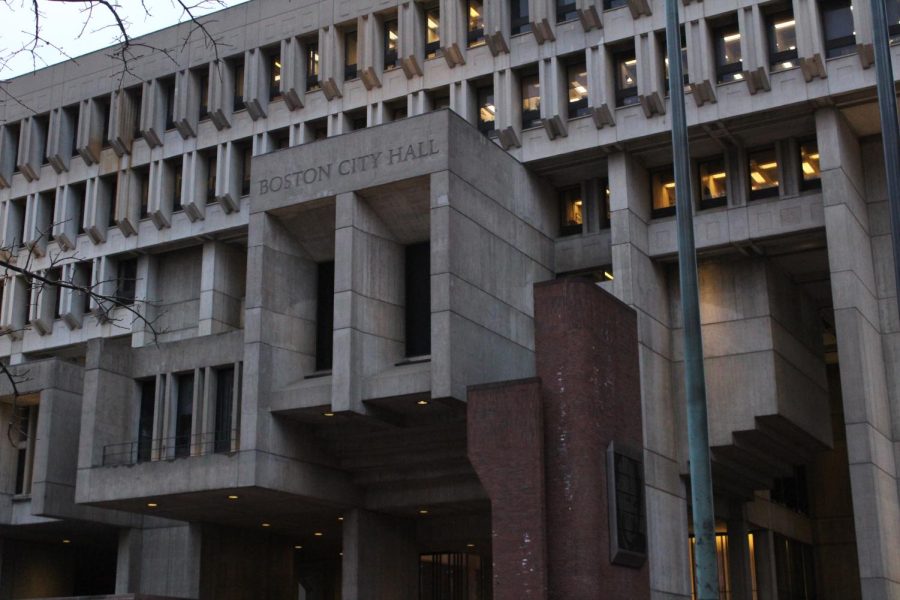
point(146, 449)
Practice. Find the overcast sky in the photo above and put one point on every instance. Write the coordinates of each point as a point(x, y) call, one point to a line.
point(62, 24)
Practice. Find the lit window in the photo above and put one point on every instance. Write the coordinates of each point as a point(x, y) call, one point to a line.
point(519, 20)
point(474, 22)
point(565, 11)
point(578, 94)
point(432, 31)
point(237, 92)
point(728, 54)
point(571, 211)
point(312, 66)
point(391, 41)
point(809, 166)
point(684, 62)
point(782, 34)
point(531, 101)
point(763, 174)
point(663, 186)
point(713, 178)
point(626, 78)
point(837, 28)
point(274, 58)
point(350, 55)
point(487, 111)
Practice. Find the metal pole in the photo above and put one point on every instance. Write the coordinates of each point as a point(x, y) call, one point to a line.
point(695, 385)
point(890, 135)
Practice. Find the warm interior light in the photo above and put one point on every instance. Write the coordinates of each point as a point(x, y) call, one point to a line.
point(266, 524)
point(784, 24)
point(423, 511)
point(808, 168)
point(327, 414)
point(318, 534)
point(738, 76)
point(422, 402)
point(298, 547)
point(757, 177)
point(669, 185)
point(232, 497)
point(717, 176)
point(152, 505)
point(580, 88)
point(578, 203)
point(470, 545)
point(767, 166)
point(473, 13)
point(392, 36)
point(732, 38)
point(67, 541)
point(340, 518)
point(608, 275)
point(277, 64)
point(432, 24)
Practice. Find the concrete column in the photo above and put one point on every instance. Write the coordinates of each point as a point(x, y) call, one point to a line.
point(222, 287)
point(128, 561)
point(865, 313)
point(170, 561)
point(380, 557)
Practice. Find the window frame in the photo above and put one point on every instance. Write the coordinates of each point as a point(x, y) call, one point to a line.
point(580, 107)
point(732, 71)
point(531, 118)
point(836, 46)
point(777, 59)
point(807, 185)
point(625, 96)
point(718, 201)
point(769, 192)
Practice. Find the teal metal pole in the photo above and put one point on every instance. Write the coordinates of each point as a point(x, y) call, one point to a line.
point(707, 577)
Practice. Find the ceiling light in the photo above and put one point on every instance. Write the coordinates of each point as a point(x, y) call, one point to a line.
point(784, 24)
point(580, 89)
point(423, 511)
point(738, 76)
point(432, 24)
point(608, 275)
point(473, 13)
point(768, 165)
point(732, 38)
point(340, 518)
point(787, 64)
point(232, 497)
point(422, 402)
point(298, 547)
point(327, 414)
point(470, 545)
point(152, 505)
point(266, 524)
point(67, 541)
point(808, 168)
point(669, 185)
point(718, 176)
point(757, 177)
point(318, 534)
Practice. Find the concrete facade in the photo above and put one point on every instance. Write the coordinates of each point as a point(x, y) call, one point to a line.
point(330, 253)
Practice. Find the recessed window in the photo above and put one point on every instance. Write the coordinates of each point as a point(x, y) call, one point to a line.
point(713, 179)
point(110, 186)
point(23, 433)
point(605, 214)
point(531, 101)
point(312, 66)
point(729, 63)
point(281, 138)
point(518, 17)
point(203, 83)
point(350, 56)
point(143, 178)
point(391, 43)
point(565, 11)
point(576, 76)
point(273, 63)
point(145, 419)
point(418, 299)
point(432, 30)
point(626, 78)
point(126, 280)
point(684, 62)
point(837, 27)
point(103, 106)
point(487, 111)
point(211, 157)
point(225, 433)
point(809, 166)
point(611, 4)
point(176, 165)
point(439, 98)
point(237, 90)
point(168, 92)
point(571, 211)
point(662, 184)
point(474, 23)
point(763, 174)
point(184, 413)
point(782, 33)
point(893, 19)
point(324, 315)
point(246, 161)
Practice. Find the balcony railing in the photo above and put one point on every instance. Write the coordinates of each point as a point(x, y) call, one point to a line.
point(148, 449)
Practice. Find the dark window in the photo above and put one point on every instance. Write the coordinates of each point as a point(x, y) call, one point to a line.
point(318, 129)
point(135, 96)
point(111, 185)
point(791, 492)
point(145, 421)
point(685, 78)
point(451, 576)
point(837, 28)
point(432, 30)
point(571, 211)
point(324, 315)
point(55, 274)
point(576, 75)
point(22, 418)
point(237, 91)
point(43, 126)
point(350, 55)
point(126, 280)
point(418, 299)
point(474, 23)
point(71, 115)
point(565, 11)
point(398, 112)
point(85, 271)
point(390, 43)
point(439, 98)
point(764, 176)
point(224, 409)
point(531, 101)
point(519, 20)
point(662, 185)
point(713, 180)
point(356, 119)
point(486, 109)
point(211, 165)
point(611, 4)
point(312, 66)
point(273, 64)
point(605, 216)
point(728, 53)
point(281, 138)
point(893, 19)
point(103, 110)
point(143, 177)
point(177, 166)
point(168, 91)
point(625, 483)
point(13, 130)
point(811, 175)
point(246, 163)
point(79, 190)
point(184, 413)
point(203, 82)
point(782, 34)
point(626, 78)
point(794, 569)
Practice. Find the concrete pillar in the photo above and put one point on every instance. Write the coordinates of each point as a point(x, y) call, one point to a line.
point(170, 561)
point(222, 286)
point(128, 561)
point(380, 557)
point(865, 313)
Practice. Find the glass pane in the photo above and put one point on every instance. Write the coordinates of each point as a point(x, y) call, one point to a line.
point(486, 109)
point(531, 93)
point(312, 60)
point(763, 171)
point(728, 54)
point(626, 73)
point(712, 180)
point(350, 48)
point(432, 25)
point(391, 35)
point(571, 205)
point(475, 15)
point(276, 71)
point(809, 161)
point(663, 190)
point(783, 41)
point(838, 20)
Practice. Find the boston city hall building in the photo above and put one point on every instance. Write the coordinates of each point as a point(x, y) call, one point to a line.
point(410, 322)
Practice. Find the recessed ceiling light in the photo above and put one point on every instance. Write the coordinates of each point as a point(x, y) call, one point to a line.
point(152, 505)
point(318, 534)
point(298, 547)
point(422, 402)
point(266, 524)
point(327, 414)
point(67, 541)
point(340, 518)
point(470, 545)
point(232, 497)
point(423, 511)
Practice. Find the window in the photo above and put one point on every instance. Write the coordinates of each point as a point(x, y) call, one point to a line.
point(418, 299)
point(224, 431)
point(782, 34)
point(103, 105)
point(391, 39)
point(487, 111)
point(237, 91)
point(729, 63)
point(571, 214)
point(84, 274)
point(176, 165)
point(625, 485)
point(110, 185)
point(662, 184)
point(791, 492)
point(685, 78)
point(794, 570)
point(350, 55)
point(531, 101)
point(273, 63)
point(324, 315)
point(763, 174)
point(626, 78)
point(809, 166)
point(565, 11)
point(576, 75)
point(611, 4)
point(13, 131)
point(168, 91)
point(439, 98)
point(398, 112)
point(25, 420)
point(184, 413)
point(837, 28)
point(312, 66)
point(43, 127)
point(454, 575)
point(145, 419)
point(357, 119)
point(126, 280)
point(474, 23)
point(432, 30)
point(713, 179)
point(281, 138)
point(211, 156)
point(246, 160)
point(79, 191)
point(203, 82)
point(893, 19)
point(518, 14)
point(605, 216)
point(71, 114)
point(55, 274)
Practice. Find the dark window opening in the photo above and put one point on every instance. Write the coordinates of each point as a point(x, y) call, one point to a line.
point(893, 19)
point(685, 78)
point(611, 4)
point(519, 19)
point(176, 164)
point(237, 91)
point(211, 157)
point(246, 162)
point(103, 110)
point(794, 569)
point(111, 185)
point(791, 492)
point(13, 130)
point(184, 413)
point(126, 280)
point(454, 575)
point(79, 190)
point(605, 215)
point(837, 27)
point(203, 82)
point(145, 420)
point(224, 431)
point(168, 90)
point(71, 115)
point(390, 43)
point(418, 299)
point(273, 64)
point(135, 96)
point(324, 316)
point(312, 66)
point(350, 57)
point(43, 126)
point(55, 274)
point(143, 178)
point(565, 11)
